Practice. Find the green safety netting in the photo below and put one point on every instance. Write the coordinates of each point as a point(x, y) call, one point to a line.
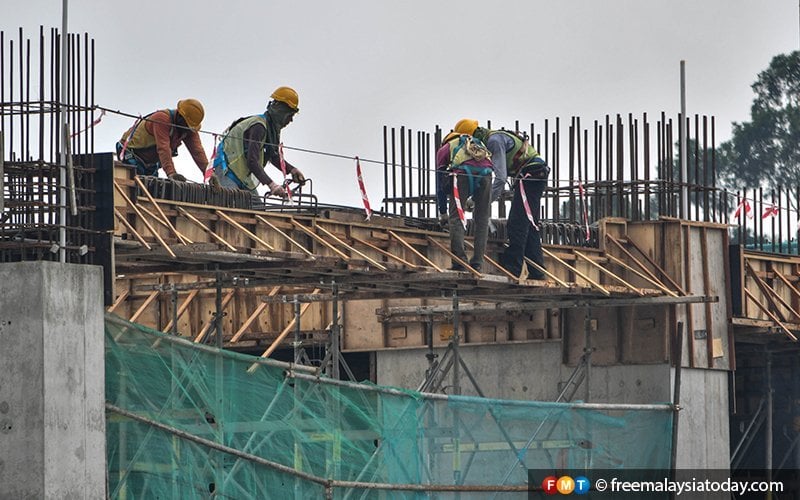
point(190, 421)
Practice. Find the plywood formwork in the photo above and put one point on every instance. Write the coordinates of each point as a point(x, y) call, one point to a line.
point(175, 260)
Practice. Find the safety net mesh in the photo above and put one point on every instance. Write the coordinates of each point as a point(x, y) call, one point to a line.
point(190, 421)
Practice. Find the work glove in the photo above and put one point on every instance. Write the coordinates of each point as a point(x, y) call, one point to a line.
point(214, 182)
point(444, 221)
point(177, 177)
point(469, 204)
point(298, 177)
point(277, 190)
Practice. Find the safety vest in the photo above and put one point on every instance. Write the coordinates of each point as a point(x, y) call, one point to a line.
point(520, 155)
point(140, 137)
point(235, 152)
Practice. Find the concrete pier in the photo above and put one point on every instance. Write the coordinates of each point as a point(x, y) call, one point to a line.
point(52, 391)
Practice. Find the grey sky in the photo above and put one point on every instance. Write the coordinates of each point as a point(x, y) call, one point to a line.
point(362, 64)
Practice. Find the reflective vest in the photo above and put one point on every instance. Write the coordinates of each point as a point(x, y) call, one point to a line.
point(518, 156)
point(141, 138)
point(235, 152)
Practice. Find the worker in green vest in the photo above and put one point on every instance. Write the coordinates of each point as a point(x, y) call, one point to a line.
point(252, 142)
point(513, 156)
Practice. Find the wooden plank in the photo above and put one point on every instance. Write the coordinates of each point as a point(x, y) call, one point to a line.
point(687, 269)
point(243, 229)
point(124, 295)
point(454, 256)
point(249, 321)
point(414, 250)
point(288, 238)
point(282, 335)
point(576, 271)
point(320, 240)
point(207, 230)
point(144, 220)
point(609, 273)
point(706, 288)
point(158, 219)
point(352, 249)
point(769, 313)
point(225, 301)
point(182, 308)
point(645, 277)
point(384, 252)
point(789, 284)
point(150, 298)
point(770, 293)
point(546, 272)
point(131, 229)
point(644, 268)
point(158, 209)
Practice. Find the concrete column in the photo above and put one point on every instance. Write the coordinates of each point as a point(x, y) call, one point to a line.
point(52, 381)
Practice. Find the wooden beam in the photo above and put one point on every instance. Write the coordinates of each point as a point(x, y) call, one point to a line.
point(158, 209)
point(124, 295)
point(349, 247)
point(491, 261)
point(225, 301)
point(771, 294)
point(243, 229)
point(645, 277)
point(709, 315)
point(144, 220)
point(546, 272)
point(150, 298)
point(771, 316)
point(131, 229)
point(414, 250)
point(648, 259)
point(576, 271)
point(288, 238)
point(182, 308)
point(320, 240)
point(384, 252)
point(207, 230)
point(158, 219)
point(607, 272)
point(454, 256)
point(249, 321)
point(282, 335)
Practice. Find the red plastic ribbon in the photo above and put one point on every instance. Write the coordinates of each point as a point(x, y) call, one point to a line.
point(97, 121)
point(364, 197)
point(210, 167)
point(127, 139)
point(525, 202)
point(744, 204)
point(457, 200)
point(770, 211)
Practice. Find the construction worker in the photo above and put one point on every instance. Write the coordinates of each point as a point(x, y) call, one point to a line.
point(513, 156)
point(250, 142)
point(153, 140)
point(465, 160)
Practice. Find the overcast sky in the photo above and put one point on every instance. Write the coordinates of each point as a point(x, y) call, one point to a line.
point(361, 64)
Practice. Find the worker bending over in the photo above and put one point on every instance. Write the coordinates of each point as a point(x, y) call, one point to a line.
point(153, 140)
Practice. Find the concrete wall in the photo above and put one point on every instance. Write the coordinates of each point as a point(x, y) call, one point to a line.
point(52, 386)
point(534, 371)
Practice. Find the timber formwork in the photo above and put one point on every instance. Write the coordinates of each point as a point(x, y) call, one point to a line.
point(199, 270)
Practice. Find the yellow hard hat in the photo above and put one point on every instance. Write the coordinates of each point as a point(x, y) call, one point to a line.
point(192, 111)
point(287, 96)
point(466, 126)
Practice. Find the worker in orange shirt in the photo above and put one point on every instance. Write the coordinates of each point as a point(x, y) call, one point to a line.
point(153, 140)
